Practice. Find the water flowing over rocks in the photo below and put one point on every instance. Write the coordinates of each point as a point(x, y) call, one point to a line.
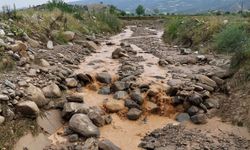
point(110, 95)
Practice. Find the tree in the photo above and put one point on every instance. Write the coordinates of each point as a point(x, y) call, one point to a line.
point(140, 10)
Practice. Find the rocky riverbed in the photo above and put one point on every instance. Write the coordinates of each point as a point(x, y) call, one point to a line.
point(111, 94)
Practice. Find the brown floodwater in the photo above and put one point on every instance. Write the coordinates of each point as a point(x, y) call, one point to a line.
point(122, 132)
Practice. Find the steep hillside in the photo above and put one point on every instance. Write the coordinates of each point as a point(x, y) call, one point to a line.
point(191, 6)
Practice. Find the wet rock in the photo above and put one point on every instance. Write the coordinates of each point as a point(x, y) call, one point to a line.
point(151, 107)
point(71, 82)
point(96, 118)
point(2, 119)
point(73, 137)
point(9, 84)
point(90, 144)
point(50, 45)
point(107, 145)
point(72, 108)
point(85, 78)
point(68, 35)
point(35, 94)
point(134, 114)
point(118, 86)
point(131, 104)
point(118, 53)
point(199, 119)
point(120, 95)
point(182, 117)
point(206, 80)
point(4, 97)
point(75, 97)
point(114, 105)
point(104, 77)
point(28, 108)
point(136, 96)
point(52, 91)
point(81, 124)
point(105, 90)
point(193, 110)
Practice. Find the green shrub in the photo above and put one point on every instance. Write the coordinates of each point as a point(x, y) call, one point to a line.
point(109, 22)
point(233, 38)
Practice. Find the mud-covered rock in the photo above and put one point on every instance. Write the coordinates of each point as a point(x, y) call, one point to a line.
point(28, 108)
point(199, 119)
point(120, 95)
point(107, 145)
point(35, 94)
point(182, 117)
point(72, 108)
point(104, 77)
point(81, 124)
point(114, 105)
point(134, 114)
point(75, 97)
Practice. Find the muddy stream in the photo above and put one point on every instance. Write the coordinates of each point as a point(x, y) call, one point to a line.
point(122, 132)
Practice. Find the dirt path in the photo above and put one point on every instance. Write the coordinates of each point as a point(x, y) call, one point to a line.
point(149, 49)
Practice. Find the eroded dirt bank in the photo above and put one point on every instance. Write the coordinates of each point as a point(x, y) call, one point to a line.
point(142, 84)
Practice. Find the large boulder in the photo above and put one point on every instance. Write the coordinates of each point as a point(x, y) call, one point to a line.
point(81, 124)
point(52, 91)
point(114, 105)
point(28, 108)
point(72, 108)
point(36, 95)
point(107, 145)
point(206, 80)
point(104, 77)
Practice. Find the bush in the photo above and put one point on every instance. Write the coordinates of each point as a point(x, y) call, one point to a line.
point(109, 22)
point(233, 38)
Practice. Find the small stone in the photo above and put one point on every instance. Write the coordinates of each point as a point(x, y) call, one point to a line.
point(134, 114)
point(104, 90)
point(104, 77)
point(136, 96)
point(193, 110)
point(9, 84)
point(73, 137)
point(96, 118)
point(118, 86)
point(52, 91)
point(206, 80)
point(107, 145)
point(76, 97)
point(182, 117)
point(199, 119)
point(114, 105)
point(71, 82)
point(2, 119)
point(4, 97)
point(81, 124)
point(44, 63)
point(120, 95)
point(32, 73)
point(131, 104)
point(50, 45)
